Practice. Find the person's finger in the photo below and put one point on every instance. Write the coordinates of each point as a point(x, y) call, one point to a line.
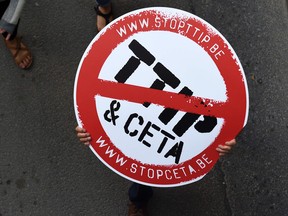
point(85, 139)
point(83, 135)
point(231, 142)
point(87, 143)
point(222, 150)
point(80, 130)
point(225, 147)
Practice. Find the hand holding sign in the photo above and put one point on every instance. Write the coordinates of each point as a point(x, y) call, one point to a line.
point(83, 136)
point(223, 149)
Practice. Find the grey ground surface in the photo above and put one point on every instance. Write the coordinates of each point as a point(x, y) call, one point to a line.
point(44, 170)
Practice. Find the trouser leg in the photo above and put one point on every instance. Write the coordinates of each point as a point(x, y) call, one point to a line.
point(3, 6)
point(103, 3)
point(140, 194)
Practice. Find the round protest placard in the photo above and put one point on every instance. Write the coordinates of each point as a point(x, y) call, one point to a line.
point(159, 89)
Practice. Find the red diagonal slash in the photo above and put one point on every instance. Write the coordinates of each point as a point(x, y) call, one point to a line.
point(166, 99)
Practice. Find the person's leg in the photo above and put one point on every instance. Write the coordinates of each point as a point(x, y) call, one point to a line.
point(103, 13)
point(139, 195)
point(19, 51)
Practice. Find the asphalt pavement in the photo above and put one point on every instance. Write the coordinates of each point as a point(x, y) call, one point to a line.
point(45, 170)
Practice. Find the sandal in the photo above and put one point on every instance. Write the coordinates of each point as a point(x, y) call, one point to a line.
point(108, 17)
point(21, 54)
